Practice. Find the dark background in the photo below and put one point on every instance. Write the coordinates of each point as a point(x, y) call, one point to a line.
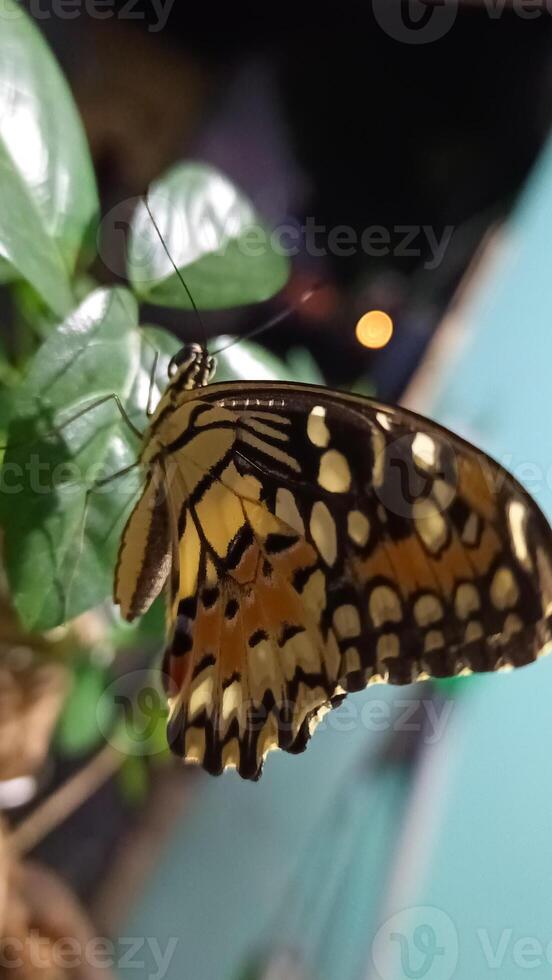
point(315, 111)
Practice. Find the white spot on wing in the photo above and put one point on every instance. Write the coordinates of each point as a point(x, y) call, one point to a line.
point(516, 520)
point(358, 527)
point(384, 606)
point(504, 590)
point(323, 531)
point(317, 430)
point(334, 474)
point(424, 451)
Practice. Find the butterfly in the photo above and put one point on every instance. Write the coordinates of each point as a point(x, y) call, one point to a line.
point(313, 542)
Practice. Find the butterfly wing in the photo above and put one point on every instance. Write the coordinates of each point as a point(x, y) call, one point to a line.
point(328, 542)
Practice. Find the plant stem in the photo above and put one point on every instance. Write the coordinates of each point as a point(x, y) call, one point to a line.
point(65, 800)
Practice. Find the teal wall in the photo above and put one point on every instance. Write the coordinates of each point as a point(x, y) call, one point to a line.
point(490, 868)
point(374, 874)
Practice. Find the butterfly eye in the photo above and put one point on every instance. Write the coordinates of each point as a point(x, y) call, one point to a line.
point(184, 357)
point(211, 367)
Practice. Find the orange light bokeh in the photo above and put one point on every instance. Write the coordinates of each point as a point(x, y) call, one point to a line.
point(374, 329)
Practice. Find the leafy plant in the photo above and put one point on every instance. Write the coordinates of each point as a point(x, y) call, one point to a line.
point(81, 364)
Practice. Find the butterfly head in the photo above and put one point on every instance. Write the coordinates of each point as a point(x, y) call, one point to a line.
point(191, 367)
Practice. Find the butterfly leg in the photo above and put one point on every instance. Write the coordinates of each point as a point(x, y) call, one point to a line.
point(89, 491)
point(84, 411)
point(145, 339)
point(96, 404)
point(153, 372)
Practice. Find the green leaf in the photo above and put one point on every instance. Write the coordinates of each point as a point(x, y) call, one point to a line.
point(146, 632)
point(60, 543)
point(213, 236)
point(80, 729)
point(364, 386)
point(247, 361)
point(8, 378)
point(7, 273)
point(24, 243)
point(304, 367)
point(134, 780)
point(48, 198)
point(33, 320)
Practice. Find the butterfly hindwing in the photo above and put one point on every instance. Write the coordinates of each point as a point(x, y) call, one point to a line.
point(247, 657)
point(443, 554)
point(326, 542)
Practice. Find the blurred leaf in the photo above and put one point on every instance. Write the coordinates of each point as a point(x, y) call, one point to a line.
point(141, 719)
point(248, 361)
point(80, 729)
point(24, 243)
point(7, 273)
point(83, 285)
point(60, 555)
point(245, 360)
point(304, 367)
point(9, 377)
point(4, 363)
point(134, 780)
point(365, 387)
point(47, 187)
point(5, 401)
point(149, 629)
point(213, 236)
point(33, 319)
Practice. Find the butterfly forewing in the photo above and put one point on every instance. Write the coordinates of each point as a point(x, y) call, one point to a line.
point(325, 542)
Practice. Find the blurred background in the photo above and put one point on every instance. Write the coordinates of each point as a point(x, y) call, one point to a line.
point(384, 162)
point(400, 152)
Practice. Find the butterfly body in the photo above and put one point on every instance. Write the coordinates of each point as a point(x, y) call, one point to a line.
point(311, 543)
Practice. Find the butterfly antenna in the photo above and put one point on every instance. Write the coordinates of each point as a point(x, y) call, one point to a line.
point(177, 271)
point(274, 320)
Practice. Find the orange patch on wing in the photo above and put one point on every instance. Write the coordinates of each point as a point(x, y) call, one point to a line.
point(180, 672)
point(478, 482)
point(452, 566)
point(276, 604)
point(207, 629)
point(407, 564)
point(489, 547)
point(377, 564)
point(300, 555)
point(232, 650)
point(416, 570)
point(246, 570)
